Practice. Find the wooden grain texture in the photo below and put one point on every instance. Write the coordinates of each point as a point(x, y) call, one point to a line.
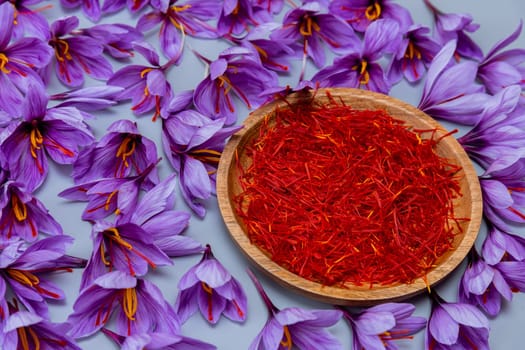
point(469, 205)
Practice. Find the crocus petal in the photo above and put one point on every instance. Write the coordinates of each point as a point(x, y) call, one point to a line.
point(212, 272)
point(467, 315)
point(442, 327)
point(6, 23)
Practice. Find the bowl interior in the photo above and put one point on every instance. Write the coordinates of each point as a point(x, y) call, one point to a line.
point(467, 206)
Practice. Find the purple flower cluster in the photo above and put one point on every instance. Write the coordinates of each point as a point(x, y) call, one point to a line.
point(135, 227)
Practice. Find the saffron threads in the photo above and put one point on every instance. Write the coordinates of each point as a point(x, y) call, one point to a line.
point(342, 196)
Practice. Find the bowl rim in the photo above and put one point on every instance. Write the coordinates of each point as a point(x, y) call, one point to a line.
point(358, 295)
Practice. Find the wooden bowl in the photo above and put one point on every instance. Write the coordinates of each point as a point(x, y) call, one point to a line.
point(469, 205)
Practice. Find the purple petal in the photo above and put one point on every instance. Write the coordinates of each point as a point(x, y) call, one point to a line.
point(6, 24)
point(442, 327)
point(213, 273)
point(466, 314)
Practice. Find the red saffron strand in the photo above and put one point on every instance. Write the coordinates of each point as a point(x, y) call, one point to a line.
point(338, 195)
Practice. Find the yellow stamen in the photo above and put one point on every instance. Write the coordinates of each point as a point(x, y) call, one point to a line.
point(225, 81)
point(180, 8)
point(287, 338)
point(373, 11)
point(113, 233)
point(22, 337)
point(19, 208)
point(206, 155)
point(62, 50)
point(103, 256)
point(36, 139)
point(24, 277)
point(33, 335)
point(307, 25)
point(108, 200)
point(362, 67)
point(412, 51)
point(207, 288)
point(15, 16)
point(145, 71)
point(260, 51)
point(130, 303)
point(177, 24)
point(3, 62)
point(126, 149)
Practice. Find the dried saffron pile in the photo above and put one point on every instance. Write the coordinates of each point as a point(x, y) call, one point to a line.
point(339, 196)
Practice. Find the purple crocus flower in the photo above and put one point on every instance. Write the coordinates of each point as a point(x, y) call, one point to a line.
point(501, 244)
point(28, 21)
point(211, 289)
point(455, 26)
point(195, 153)
point(456, 325)
point(295, 327)
point(25, 330)
point(23, 215)
point(413, 56)
point(117, 38)
point(92, 98)
point(498, 132)
point(361, 68)
point(57, 132)
point(121, 152)
point(76, 54)
point(273, 55)
point(90, 8)
point(450, 91)
point(237, 16)
point(360, 13)
point(180, 18)
point(134, 6)
point(377, 327)
point(23, 268)
point(146, 86)
point(123, 247)
point(503, 192)
point(155, 215)
point(157, 341)
point(310, 27)
point(17, 62)
point(109, 196)
point(499, 69)
point(138, 305)
point(483, 285)
point(234, 71)
point(271, 6)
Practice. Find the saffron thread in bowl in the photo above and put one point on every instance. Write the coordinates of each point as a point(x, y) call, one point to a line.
point(338, 195)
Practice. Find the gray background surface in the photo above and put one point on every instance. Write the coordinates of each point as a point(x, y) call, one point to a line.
point(497, 19)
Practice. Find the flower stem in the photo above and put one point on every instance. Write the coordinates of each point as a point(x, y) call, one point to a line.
point(272, 309)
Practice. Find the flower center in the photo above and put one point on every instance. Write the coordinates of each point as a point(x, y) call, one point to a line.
point(373, 11)
point(19, 208)
point(29, 279)
point(24, 340)
point(176, 20)
point(307, 25)
point(130, 303)
point(287, 338)
point(112, 235)
point(3, 62)
point(61, 49)
point(363, 72)
point(36, 139)
point(126, 149)
point(412, 51)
